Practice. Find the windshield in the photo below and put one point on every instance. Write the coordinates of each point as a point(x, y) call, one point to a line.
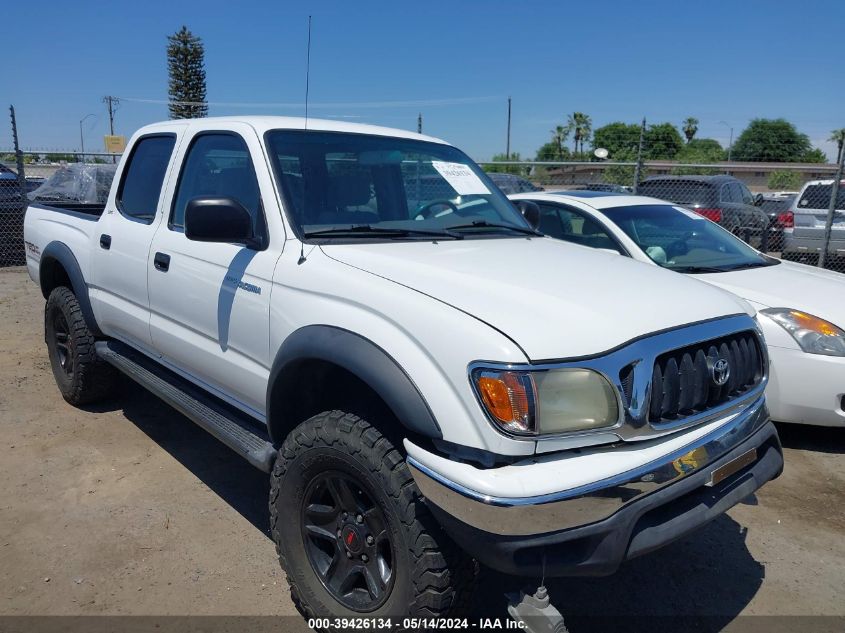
point(357, 186)
point(680, 240)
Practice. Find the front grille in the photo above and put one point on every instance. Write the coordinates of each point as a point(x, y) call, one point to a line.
point(683, 383)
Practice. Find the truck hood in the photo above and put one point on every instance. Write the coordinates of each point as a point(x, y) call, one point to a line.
point(554, 299)
point(788, 285)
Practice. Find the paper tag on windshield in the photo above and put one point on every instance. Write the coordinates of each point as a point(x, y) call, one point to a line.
point(461, 177)
point(688, 213)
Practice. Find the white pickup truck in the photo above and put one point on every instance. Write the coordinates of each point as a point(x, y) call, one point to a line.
point(360, 312)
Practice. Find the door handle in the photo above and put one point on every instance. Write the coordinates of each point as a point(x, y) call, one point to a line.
point(161, 261)
point(105, 241)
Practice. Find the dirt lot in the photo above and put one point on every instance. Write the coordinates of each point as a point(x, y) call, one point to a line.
point(128, 508)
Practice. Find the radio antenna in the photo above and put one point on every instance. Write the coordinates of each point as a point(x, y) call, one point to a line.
point(307, 71)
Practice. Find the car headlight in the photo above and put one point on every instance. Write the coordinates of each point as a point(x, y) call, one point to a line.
point(546, 402)
point(813, 335)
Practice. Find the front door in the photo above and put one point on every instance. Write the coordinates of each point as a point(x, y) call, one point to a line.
point(210, 302)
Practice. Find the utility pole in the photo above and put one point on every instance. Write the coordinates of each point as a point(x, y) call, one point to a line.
point(639, 167)
point(831, 211)
point(419, 123)
point(111, 103)
point(508, 146)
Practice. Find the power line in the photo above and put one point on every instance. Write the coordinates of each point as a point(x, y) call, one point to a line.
point(364, 104)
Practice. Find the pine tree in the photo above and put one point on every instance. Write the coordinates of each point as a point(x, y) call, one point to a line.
point(186, 67)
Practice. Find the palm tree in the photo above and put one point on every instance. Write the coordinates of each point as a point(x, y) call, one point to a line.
point(838, 137)
point(559, 135)
point(581, 125)
point(690, 127)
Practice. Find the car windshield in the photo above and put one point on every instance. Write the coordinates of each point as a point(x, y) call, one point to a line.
point(678, 239)
point(357, 186)
point(681, 191)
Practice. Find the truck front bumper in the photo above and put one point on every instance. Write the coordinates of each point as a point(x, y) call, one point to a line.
point(591, 529)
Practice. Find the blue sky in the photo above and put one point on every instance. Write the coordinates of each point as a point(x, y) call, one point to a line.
point(457, 61)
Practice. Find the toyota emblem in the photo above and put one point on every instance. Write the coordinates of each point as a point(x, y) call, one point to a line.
point(720, 371)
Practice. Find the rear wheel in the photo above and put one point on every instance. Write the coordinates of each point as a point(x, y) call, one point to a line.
point(352, 532)
point(82, 377)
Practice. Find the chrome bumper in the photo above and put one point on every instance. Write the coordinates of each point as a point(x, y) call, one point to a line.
point(589, 503)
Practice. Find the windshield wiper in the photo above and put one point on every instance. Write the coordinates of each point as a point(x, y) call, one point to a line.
point(696, 269)
point(751, 265)
point(366, 230)
point(484, 224)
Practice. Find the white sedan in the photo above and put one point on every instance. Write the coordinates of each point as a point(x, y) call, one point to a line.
point(798, 306)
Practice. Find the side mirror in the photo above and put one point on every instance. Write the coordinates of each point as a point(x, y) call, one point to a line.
point(210, 219)
point(530, 211)
point(758, 200)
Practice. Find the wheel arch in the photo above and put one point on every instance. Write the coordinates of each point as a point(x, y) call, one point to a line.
point(59, 267)
point(347, 361)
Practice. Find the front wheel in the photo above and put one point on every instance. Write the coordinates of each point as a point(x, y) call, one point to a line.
point(352, 532)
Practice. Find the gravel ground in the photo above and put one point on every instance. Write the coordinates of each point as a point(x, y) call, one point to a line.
point(127, 508)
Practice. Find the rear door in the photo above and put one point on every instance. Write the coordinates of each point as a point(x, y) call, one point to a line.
point(210, 302)
point(811, 212)
point(125, 231)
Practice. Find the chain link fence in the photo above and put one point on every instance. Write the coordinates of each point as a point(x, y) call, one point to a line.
point(785, 209)
point(22, 179)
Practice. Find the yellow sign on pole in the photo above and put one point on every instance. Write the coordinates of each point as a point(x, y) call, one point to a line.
point(115, 144)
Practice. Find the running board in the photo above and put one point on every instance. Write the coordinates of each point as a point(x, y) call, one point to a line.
point(235, 429)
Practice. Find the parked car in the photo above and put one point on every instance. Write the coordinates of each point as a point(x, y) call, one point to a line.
point(602, 186)
point(800, 308)
point(422, 382)
point(510, 183)
point(779, 210)
point(806, 237)
point(723, 199)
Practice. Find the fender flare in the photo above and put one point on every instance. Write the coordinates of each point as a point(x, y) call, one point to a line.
point(61, 254)
point(364, 359)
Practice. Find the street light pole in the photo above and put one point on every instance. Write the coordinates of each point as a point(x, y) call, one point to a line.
point(81, 136)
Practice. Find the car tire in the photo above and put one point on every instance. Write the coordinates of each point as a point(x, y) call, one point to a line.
point(352, 531)
point(82, 377)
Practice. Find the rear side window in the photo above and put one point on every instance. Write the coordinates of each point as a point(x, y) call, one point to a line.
point(143, 177)
point(818, 197)
point(217, 165)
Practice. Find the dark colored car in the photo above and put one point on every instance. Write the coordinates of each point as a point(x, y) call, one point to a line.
point(602, 186)
point(779, 211)
point(722, 199)
point(509, 183)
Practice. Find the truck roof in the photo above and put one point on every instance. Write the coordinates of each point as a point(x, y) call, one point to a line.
point(261, 124)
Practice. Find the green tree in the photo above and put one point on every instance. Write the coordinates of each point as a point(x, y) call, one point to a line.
point(559, 135)
point(773, 140)
point(814, 155)
point(186, 67)
point(551, 151)
point(662, 142)
point(621, 140)
point(785, 180)
point(580, 125)
point(690, 127)
point(519, 170)
point(697, 151)
point(838, 137)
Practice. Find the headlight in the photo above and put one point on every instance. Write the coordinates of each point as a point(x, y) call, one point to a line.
point(813, 335)
point(546, 401)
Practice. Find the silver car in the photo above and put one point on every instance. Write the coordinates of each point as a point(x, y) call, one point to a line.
point(806, 237)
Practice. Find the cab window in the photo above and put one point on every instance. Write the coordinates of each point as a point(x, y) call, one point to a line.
point(217, 165)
